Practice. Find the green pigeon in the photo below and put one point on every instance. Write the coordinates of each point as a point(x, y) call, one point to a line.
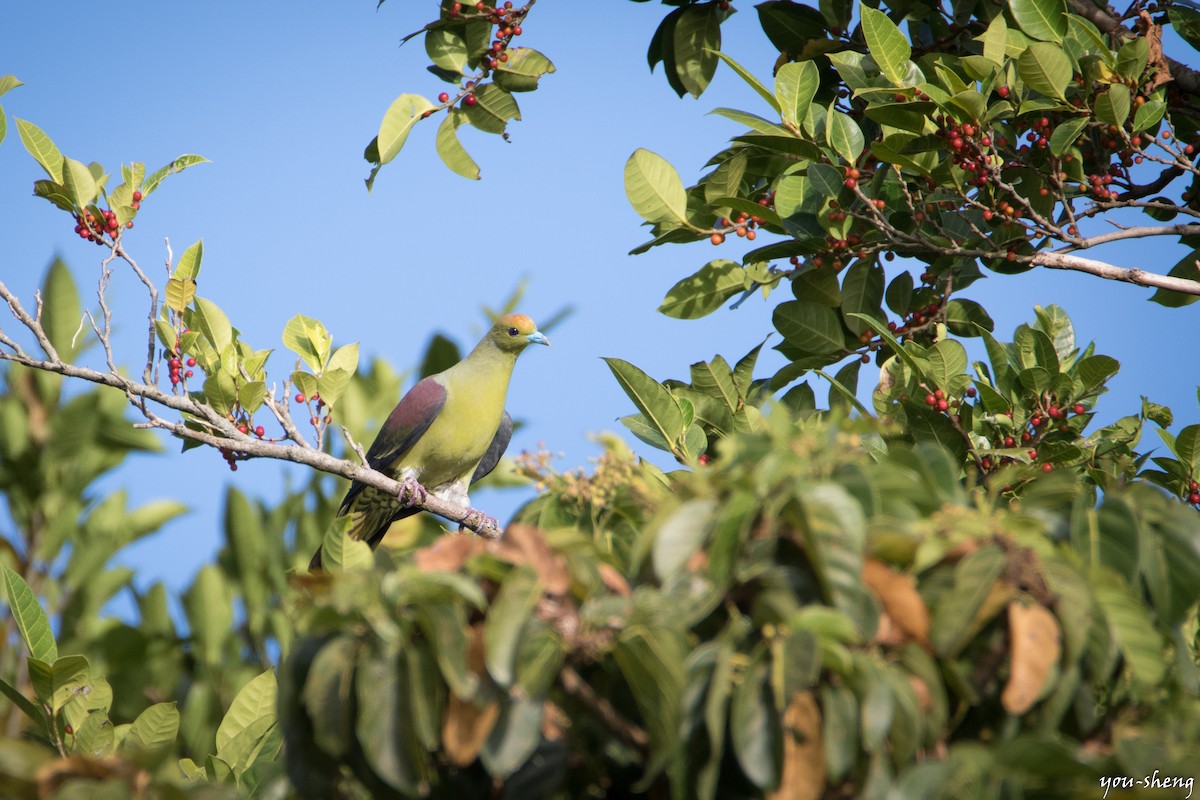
point(447, 432)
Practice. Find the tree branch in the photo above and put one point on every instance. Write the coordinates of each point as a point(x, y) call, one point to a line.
point(1060, 260)
point(1186, 78)
point(225, 434)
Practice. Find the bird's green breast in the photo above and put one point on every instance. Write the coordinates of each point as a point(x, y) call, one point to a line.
point(476, 390)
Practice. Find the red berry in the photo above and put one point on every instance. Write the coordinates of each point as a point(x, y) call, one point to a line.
point(971, 391)
point(259, 431)
point(1194, 498)
point(188, 374)
point(717, 238)
point(1002, 91)
point(299, 397)
point(942, 405)
point(191, 362)
point(850, 183)
point(1078, 408)
point(443, 97)
point(1008, 441)
point(242, 429)
point(1047, 467)
point(137, 197)
point(930, 400)
point(1033, 454)
point(470, 100)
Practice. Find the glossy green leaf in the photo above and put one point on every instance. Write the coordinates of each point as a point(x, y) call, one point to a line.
point(525, 66)
point(954, 614)
point(888, 47)
point(208, 603)
point(1187, 267)
point(506, 620)
point(384, 723)
point(30, 618)
point(795, 86)
point(309, 339)
point(78, 181)
point(189, 262)
point(704, 292)
point(651, 661)
point(754, 728)
point(696, 41)
point(254, 701)
point(341, 553)
point(1044, 67)
point(751, 80)
point(862, 293)
point(810, 327)
point(1112, 106)
point(654, 188)
point(652, 399)
point(1067, 132)
point(1044, 20)
point(681, 534)
point(155, 727)
point(176, 166)
point(446, 49)
point(1132, 629)
point(1148, 115)
point(404, 112)
point(493, 108)
point(43, 150)
point(844, 136)
point(1186, 22)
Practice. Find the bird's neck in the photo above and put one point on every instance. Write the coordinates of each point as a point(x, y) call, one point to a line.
point(487, 367)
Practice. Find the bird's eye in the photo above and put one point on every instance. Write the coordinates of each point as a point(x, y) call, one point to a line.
point(513, 331)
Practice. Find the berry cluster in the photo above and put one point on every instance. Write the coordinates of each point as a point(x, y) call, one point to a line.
point(176, 361)
point(93, 229)
point(315, 419)
point(1192, 495)
point(969, 146)
point(508, 26)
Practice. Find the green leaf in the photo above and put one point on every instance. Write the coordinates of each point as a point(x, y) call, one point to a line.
point(654, 188)
point(752, 81)
point(1186, 22)
point(1067, 133)
point(20, 701)
point(795, 86)
point(514, 738)
point(78, 181)
point(525, 66)
point(56, 683)
point(1188, 267)
point(506, 620)
point(404, 112)
point(493, 108)
point(1148, 115)
point(189, 262)
point(660, 409)
point(8, 83)
point(844, 135)
point(180, 293)
point(208, 603)
point(1045, 67)
point(701, 294)
point(810, 327)
point(862, 293)
point(384, 723)
point(447, 49)
point(1131, 628)
point(887, 44)
point(341, 553)
point(212, 322)
point(1112, 106)
point(254, 701)
point(1133, 57)
point(995, 40)
point(1044, 20)
point(696, 40)
point(94, 737)
point(155, 727)
point(681, 534)
point(43, 150)
point(754, 727)
point(30, 618)
point(309, 339)
point(176, 166)
point(752, 121)
point(651, 660)
point(61, 312)
point(954, 614)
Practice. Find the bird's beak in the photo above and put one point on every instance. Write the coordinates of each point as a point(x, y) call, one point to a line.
point(537, 337)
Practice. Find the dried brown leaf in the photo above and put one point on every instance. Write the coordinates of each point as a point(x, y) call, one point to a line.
point(614, 580)
point(803, 776)
point(465, 728)
point(524, 544)
point(1035, 643)
point(900, 598)
point(449, 553)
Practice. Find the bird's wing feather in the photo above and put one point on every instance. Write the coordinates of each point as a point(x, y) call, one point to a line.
point(407, 423)
point(495, 450)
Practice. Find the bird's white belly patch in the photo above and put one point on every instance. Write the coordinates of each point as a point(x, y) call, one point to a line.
point(453, 492)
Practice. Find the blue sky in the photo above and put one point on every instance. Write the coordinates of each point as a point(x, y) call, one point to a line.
point(282, 97)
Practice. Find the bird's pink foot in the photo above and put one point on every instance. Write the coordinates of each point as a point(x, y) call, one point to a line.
point(411, 492)
point(487, 526)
